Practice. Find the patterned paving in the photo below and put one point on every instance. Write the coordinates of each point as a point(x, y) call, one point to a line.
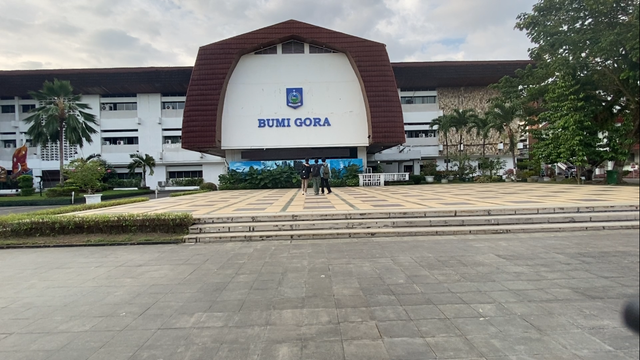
point(437, 196)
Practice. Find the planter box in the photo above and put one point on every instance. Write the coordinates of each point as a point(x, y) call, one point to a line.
point(429, 179)
point(444, 181)
point(93, 199)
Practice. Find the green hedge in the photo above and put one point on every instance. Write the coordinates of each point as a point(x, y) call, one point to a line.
point(83, 207)
point(192, 192)
point(42, 201)
point(49, 225)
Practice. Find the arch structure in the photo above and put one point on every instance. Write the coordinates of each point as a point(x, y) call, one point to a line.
point(289, 91)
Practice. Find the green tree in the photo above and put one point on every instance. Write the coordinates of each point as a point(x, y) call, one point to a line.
point(60, 116)
point(86, 174)
point(594, 46)
point(143, 162)
point(460, 120)
point(482, 127)
point(504, 118)
point(444, 125)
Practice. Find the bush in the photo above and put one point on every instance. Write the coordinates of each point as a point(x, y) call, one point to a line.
point(124, 183)
point(209, 186)
point(183, 193)
point(416, 179)
point(25, 183)
point(83, 207)
point(47, 225)
point(186, 182)
point(86, 174)
point(61, 191)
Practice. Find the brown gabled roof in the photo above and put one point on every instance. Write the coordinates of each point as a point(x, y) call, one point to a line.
point(201, 125)
point(421, 75)
point(112, 81)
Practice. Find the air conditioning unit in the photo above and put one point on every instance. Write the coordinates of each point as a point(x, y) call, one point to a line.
point(167, 141)
point(162, 184)
point(120, 142)
point(106, 143)
point(9, 146)
point(422, 135)
point(168, 107)
point(106, 107)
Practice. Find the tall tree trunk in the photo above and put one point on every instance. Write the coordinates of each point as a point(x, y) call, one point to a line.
point(144, 176)
point(61, 150)
point(484, 144)
point(446, 154)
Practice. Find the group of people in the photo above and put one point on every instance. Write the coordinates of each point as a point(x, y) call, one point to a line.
point(319, 175)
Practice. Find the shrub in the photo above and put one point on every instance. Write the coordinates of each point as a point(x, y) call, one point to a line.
point(416, 179)
point(183, 193)
point(47, 225)
point(429, 168)
point(124, 183)
point(25, 183)
point(83, 207)
point(61, 191)
point(86, 174)
point(483, 179)
point(209, 186)
point(186, 182)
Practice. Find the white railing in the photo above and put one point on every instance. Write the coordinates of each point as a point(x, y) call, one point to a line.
point(379, 179)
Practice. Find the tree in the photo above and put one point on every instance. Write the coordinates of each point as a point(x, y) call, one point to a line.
point(444, 125)
point(504, 118)
point(110, 171)
point(143, 162)
point(482, 126)
point(60, 116)
point(460, 119)
point(86, 174)
point(594, 46)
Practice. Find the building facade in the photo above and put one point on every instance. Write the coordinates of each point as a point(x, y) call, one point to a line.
point(285, 92)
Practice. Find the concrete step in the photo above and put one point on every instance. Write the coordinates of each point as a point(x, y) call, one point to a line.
point(411, 213)
point(364, 224)
point(408, 231)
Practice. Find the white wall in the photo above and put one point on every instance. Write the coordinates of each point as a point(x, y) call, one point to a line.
point(257, 90)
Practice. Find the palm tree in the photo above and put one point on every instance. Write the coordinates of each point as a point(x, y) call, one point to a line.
point(482, 127)
point(460, 119)
point(59, 117)
point(443, 122)
point(503, 116)
point(144, 162)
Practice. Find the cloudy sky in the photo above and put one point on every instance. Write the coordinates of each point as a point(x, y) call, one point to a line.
point(119, 33)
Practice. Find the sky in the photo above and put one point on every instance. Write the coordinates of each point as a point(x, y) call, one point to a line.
point(48, 34)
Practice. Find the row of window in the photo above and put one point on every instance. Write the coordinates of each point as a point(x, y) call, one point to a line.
point(420, 134)
point(294, 47)
point(173, 105)
point(185, 174)
point(11, 109)
point(133, 140)
point(406, 100)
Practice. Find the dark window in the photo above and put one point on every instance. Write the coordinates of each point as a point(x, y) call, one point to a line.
point(293, 47)
point(172, 139)
point(119, 106)
point(8, 109)
point(196, 174)
point(418, 100)
point(27, 108)
point(319, 50)
point(176, 94)
point(120, 141)
point(173, 105)
point(8, 144)
point(272, 50)
point(119, 96)
point(420, 133)
point(120, 130)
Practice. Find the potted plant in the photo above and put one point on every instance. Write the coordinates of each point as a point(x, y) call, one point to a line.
point(510, 175)
point(429, 171)
point(86, 175)
point(446, 176)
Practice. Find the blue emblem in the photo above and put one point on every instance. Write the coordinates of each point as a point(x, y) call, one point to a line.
point(294, 97)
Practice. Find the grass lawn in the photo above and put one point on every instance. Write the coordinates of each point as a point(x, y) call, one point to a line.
point(36, 199)
point(91, 239)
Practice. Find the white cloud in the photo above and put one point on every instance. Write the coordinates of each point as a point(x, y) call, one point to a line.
point(110, 33)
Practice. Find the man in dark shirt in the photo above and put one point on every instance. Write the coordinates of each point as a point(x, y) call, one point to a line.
point(315, 177)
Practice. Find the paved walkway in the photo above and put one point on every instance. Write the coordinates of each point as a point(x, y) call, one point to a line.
point(438, 196)
point(507, 297)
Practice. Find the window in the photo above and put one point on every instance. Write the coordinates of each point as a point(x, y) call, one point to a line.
point(8, 109)
point(175, 105)
point(293, 47)
point(420, 134)
point(272, 50)
point(196, 174)
point(172, 139)
point(313, 49)
point(7, 144)
point(119, 106)
point(120, 141)
point(417, 100)
point(27, 108)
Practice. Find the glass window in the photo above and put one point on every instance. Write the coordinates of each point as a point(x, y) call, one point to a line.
point(8, 109)
point(132, 140)
point(195, 174)
point(174, 105)
point(119, 107)
point(417, 100)
point(313, 49)
point(272, 50)
point(420, 133)
point(8, 144)
point(172, 139)
point(293, 47)
point(27, 108)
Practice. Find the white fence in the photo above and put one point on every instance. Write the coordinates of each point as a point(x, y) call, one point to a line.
point(379, 179)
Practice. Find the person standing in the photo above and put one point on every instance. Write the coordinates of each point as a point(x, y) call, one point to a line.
point(325, 175)
point(304, 176)
point(315, 177)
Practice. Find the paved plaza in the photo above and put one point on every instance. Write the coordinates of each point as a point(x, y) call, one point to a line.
point(435, 196)
point(534, 296)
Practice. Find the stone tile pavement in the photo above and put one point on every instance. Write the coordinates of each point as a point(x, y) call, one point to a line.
point(434, 196)
point(548, 296)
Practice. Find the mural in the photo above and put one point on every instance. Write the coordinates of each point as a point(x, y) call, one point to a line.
point(334, 164)
point(20, 162)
